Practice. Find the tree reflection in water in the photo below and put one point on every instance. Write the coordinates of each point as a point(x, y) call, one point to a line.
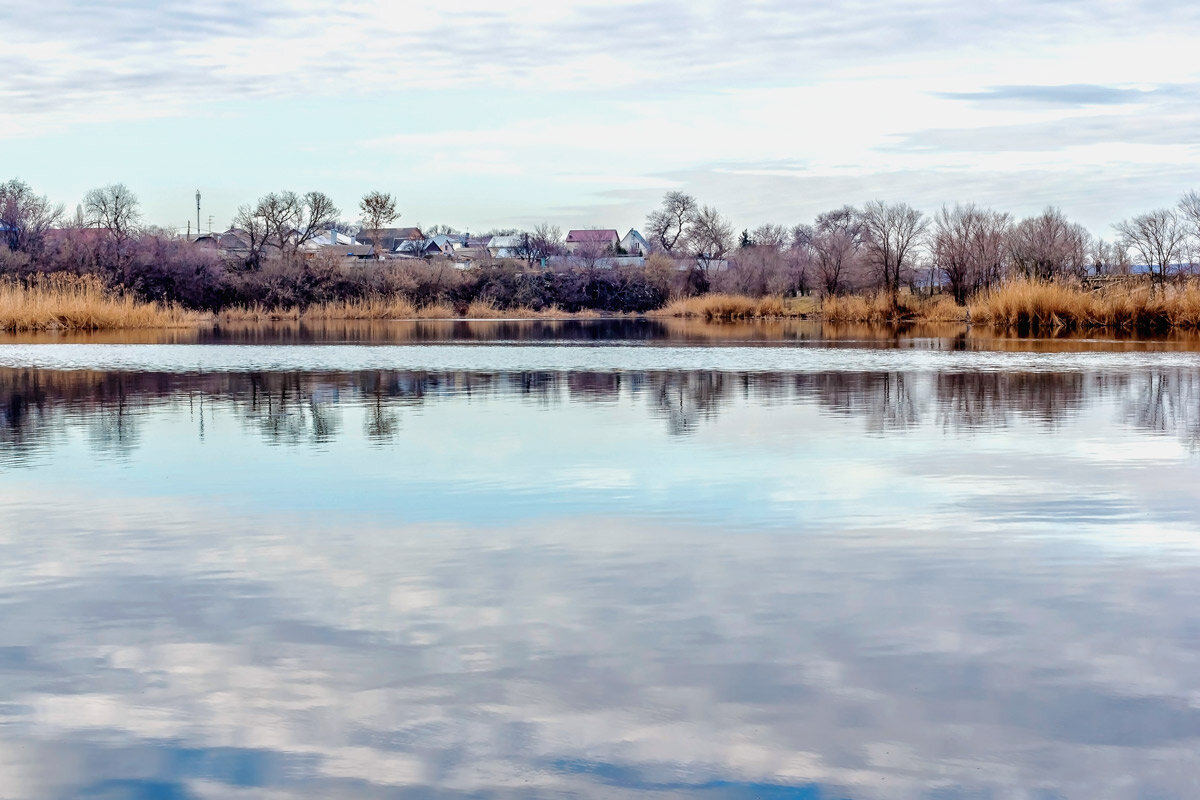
point(39, 406)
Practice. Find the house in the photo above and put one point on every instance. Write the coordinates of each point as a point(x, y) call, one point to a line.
point(389, 237)
point(363, 252)
point(421, 248)
point(596, 241)
point(504, 246)
point(328, 239)
point(634, 244)
point(447, 243)
point(233, 243)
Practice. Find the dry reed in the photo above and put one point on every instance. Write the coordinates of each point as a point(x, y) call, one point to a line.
point(69, 302)
point(717, 306)
point(879, 308)
point(1027, 305)
point(394, 307)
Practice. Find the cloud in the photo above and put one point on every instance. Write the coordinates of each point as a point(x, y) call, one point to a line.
point(298, 47)
point(1069, 94)
point(527, 93)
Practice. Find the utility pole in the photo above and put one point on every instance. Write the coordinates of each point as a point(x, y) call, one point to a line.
point(198, 212)
point(210, 216)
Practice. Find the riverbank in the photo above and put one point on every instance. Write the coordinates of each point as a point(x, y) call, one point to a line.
point(65, 302)
point(70, 303)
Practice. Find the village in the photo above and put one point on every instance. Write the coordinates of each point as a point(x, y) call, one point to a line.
point(589, 247)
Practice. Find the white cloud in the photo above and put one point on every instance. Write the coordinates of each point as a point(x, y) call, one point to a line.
point(567, 101)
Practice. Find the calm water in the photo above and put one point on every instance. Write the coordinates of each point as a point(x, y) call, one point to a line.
point(598, 561)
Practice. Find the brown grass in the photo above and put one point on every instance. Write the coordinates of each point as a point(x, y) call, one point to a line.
point(1026, 305)
point(879, 309)
point(68, 302)
point(717, 307)
point(395, 307)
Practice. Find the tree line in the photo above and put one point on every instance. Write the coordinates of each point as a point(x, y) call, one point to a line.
point(878, 246)
point(964, 248)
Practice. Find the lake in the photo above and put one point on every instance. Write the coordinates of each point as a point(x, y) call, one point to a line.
point(598, 559)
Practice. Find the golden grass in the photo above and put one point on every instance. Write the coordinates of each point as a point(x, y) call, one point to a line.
point(717, 306)
point(486, 309)
point(370, 307)
point(68, 302)
point(394, 307)
point(879, 309)
point(1027, 305)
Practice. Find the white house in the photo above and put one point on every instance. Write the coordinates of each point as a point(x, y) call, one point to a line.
point(635, 244)
point(504, 246)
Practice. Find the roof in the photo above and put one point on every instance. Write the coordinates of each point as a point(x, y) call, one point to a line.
point(506, 242)
point(636, 235)
point(357, 250)
point(413, 245)
point(342, 238)
point(391, 234)
point(589, 235)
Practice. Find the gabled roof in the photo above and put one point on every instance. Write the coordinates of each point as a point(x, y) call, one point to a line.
point(636, 234)
point(593, 235)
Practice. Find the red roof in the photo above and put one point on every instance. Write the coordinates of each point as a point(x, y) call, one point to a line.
point(593, 236)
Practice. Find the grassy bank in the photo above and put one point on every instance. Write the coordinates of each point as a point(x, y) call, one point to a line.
point(720, 307)
point(66, 302)
point(394, 307)
point(1036, 306)
point(879, 309)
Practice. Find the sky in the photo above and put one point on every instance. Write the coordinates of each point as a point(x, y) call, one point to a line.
point(480, 115)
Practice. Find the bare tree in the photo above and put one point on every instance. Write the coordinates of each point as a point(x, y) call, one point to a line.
point(1157, 237)
point(709, 237)
point(277, 212)
point(25, 217)
point(114, 209)
point(253, 228)
point(891, 234)
point(316, 212)
point(968, 247)
point(834, 243)
point(775, 236)
point(543, 242)
point(668, 224)
point(287, 221)
point(378, 212)
point(1104, 258)
point(591, 254)
point(1189, 212)
point(1049, 246)
point(761, 270)
point(989, 241)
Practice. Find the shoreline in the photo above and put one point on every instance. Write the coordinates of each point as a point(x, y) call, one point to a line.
point(1021, 306)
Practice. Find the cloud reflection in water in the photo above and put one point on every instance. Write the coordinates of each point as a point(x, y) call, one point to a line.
point(536, 584)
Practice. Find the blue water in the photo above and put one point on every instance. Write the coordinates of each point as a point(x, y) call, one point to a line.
point(631, 570)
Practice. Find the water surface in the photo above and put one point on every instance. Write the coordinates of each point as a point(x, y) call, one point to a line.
point(783, 566)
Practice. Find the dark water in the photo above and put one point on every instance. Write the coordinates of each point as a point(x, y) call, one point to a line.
point(438, 566)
